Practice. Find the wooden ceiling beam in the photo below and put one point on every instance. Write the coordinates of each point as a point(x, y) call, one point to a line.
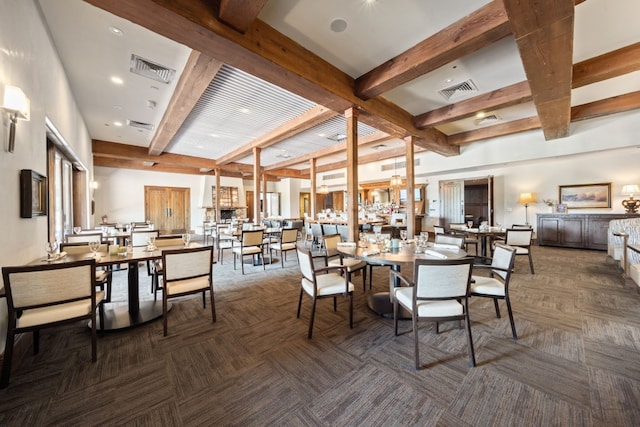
point(477, 30)
point(606, 66)
point(198, 73)
point(501, 98)
point(123, 151)
point(544, 34)
point(494, 131)
point(265, 53)
point(309, 119)
point(604, 107)
point(240, 14)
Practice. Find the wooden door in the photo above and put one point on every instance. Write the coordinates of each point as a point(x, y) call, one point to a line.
point(168, 208)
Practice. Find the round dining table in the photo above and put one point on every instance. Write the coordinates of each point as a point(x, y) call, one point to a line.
point(396, 258)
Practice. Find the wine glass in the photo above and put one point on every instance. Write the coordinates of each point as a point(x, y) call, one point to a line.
point(94, 246)
point(469, 224)
point(77, 230)
point(186, 238)
point(403, 235)
point(151, 242)
point(51, 248)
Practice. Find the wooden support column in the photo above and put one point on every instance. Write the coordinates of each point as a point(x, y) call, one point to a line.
point(411, 185)
point(256, 185)
point(264, 197)
point(351, 116)
point(218, 217)
point(312, 178)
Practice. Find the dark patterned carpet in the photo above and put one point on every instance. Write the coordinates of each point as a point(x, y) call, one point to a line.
point(576, 362)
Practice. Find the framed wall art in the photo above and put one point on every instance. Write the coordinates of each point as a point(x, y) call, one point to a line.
point(585, 196)
point(33, 194)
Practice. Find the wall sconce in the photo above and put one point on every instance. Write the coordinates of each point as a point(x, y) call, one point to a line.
point(14, 102)
point(631, 205)
point(94, 186)
point(526, 199)
point(323, 189)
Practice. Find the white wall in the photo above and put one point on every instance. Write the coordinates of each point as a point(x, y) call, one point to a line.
point(28, 60)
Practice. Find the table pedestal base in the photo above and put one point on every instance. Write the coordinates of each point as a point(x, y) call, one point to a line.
point(118, 317)
point(380, 304)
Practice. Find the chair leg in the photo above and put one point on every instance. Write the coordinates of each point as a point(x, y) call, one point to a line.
point(350, 310)
point(313, 313)
point(36, 341)
point(495, 304)
point(416, 346)
point(531, 262)
point(101, 312)
point(213, 304)
point(164, 311)
point(7, 359)
point(94, 338)
point(395, 316)
point(513, 324)
point(299, 302)
point(472, 353)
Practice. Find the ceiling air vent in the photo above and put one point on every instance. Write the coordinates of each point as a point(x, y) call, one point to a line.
point(488, 119)
point(140, 125)
point(338, 137)
point(151, 70)
point(459, 89)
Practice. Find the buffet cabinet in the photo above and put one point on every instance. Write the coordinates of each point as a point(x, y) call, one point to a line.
point(585, 231)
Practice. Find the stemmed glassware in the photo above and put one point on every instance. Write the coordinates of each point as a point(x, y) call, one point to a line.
point(77, 230)
point(94, 246)
point(469, 224)
point(403, 236)
point(51, 248)
point(151, 242)
point(186, 238)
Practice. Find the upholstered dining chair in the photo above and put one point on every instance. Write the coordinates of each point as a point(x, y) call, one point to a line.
point(323, 282)
point(251, 244)
point(155, 268)
point(353, 265)
point(104, 275)
point(520, 239)
point(286, 242)
point(449, 239)
point(187, 271)
point(439, 292)
point(459, 229)
point(141, 237)
point(84, 237)
point(45, 296)
point(496, 284)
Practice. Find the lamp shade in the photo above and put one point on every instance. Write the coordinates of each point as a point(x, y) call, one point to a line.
point(526, 198)
point(630, 190)
point(323, 189)
point(15, 101)
point(396, 181)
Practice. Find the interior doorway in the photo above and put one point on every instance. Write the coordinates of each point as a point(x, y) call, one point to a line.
point(168, 208)
point(466, 200)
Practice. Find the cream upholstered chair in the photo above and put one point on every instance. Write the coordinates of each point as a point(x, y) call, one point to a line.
point(187, 271)
point(251, 243)
point(440, 292)
point(84, 237)
point(449, 239)
point(520, 239)
point(44, 296)
point(496, 285)
point(323, 282)
point(460, 229)
point(352, 264)
point(141, 237)
point(155, 267)
point(103, 274)
point(286, 242)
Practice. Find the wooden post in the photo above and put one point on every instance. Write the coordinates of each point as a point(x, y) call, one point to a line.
point(351, 116)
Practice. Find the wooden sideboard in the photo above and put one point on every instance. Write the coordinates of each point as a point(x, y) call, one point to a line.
point(585, 231)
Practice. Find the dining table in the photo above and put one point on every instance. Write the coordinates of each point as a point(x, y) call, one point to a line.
point(402, 256)
point(135, 312)
point(484, 234)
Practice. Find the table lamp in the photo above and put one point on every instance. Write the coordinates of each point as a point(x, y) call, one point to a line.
point(526, 199)
point(631, 205)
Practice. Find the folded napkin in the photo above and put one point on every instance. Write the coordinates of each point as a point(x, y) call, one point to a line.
point(434, 254)
point(347, 244)
point(371, 252)
point(445, 247)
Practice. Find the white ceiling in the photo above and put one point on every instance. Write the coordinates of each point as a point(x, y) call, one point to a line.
point(237, 107)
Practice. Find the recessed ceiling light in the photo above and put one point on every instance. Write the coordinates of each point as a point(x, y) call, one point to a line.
point(117, 80)
point(244, 110)
point(214, 135)
point(480, 115)
point(449, 80)
point(322, 135)
point(116, 31)
point(117, 123)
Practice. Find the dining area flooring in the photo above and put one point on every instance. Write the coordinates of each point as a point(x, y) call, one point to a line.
point(576, 362)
